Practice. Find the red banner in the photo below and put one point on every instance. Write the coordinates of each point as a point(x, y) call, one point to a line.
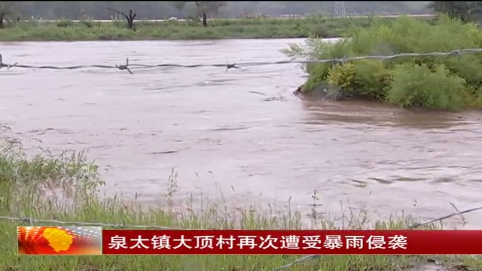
point(270, 242)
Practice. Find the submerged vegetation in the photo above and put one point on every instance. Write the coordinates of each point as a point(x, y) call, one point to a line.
point(443, 82)
point(246, 28)
point(66, 187)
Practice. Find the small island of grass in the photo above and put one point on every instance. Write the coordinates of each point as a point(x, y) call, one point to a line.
point(438, 81)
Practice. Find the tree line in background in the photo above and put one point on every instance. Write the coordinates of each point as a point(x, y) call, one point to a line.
point(182, 9)
point(106, 10)
point(463, 10)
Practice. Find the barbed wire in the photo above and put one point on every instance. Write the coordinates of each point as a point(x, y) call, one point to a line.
point(129, 66)
point(33, 221)
point(413, 226)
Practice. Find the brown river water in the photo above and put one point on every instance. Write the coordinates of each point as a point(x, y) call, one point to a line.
point(242, 128)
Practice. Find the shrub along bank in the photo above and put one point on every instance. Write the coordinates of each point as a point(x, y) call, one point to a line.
point(442, 82)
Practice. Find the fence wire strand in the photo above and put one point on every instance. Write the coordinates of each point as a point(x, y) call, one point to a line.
point(32, 221)
point(128, 66)
point(413, 226)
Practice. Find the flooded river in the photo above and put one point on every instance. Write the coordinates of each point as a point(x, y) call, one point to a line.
point(242, 128)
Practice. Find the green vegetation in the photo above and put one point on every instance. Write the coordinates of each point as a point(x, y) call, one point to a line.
point(74, 10)
point(66, 30)
point(64, 188)
point(442, 82)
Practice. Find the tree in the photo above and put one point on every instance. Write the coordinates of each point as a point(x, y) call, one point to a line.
point(212, 7)
point(463, 10)
point(130, 18)
point(7, 8)
point(202, 7)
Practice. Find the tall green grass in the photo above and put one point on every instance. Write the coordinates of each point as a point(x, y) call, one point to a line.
point(66, 30)
point(64, 187)
point(451, 83)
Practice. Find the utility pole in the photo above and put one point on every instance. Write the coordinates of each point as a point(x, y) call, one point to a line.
point(340, 9)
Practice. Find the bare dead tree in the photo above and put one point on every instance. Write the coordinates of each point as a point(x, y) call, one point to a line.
point(130, 18)
point(203, 12)
point(205, 21)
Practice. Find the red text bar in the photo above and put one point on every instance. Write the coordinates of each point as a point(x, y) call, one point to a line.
point(269, 242)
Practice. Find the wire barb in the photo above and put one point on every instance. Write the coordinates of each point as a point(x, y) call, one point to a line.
point(455, 53)
point(6, 65)
point(124, 67)
point(231, 66)
point(340, 61)
point(129, 67)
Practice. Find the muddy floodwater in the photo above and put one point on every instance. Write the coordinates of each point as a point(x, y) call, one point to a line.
point(241, 128)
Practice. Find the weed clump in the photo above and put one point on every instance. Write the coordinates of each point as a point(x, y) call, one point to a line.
point(443, 82)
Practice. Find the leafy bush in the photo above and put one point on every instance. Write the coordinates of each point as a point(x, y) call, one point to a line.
point(420, 85)
point(65, 23)
point(444, 82)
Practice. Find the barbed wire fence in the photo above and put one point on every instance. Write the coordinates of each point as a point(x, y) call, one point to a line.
point(130, 66)
point(32, 222)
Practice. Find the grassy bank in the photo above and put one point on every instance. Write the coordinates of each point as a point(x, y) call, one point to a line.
point(26, 180)
point(263, 28)
point(435, 81)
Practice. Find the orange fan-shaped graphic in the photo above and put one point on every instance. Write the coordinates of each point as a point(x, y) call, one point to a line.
point(59, 240)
